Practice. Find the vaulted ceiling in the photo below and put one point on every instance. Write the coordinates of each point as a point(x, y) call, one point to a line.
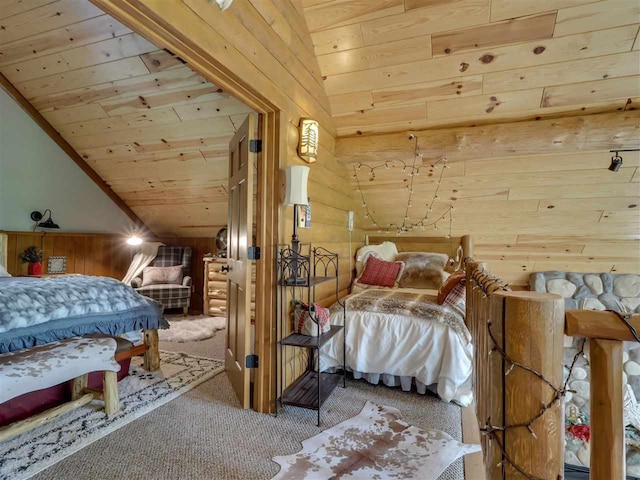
point(392, 65)
point(153, 130)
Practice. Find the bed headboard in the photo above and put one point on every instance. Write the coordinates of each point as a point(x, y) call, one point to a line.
point(427, 244)
point(3, 249)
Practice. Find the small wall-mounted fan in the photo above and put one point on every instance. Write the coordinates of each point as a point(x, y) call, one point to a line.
point(221, 242)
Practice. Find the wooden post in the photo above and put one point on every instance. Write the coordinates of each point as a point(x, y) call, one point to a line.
point(607, 424)
point(533, 336)
point(470, 267)
point(152, 355)
point(467, 246)
point(110, 392)
point(79, 384)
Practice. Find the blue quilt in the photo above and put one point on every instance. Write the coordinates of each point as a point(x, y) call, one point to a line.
point(39, 311)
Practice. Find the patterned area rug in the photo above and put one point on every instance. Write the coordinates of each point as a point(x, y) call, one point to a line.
point(191, 329)
point(374, 444)
point(140, 393)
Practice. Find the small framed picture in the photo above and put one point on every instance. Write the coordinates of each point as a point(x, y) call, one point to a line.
point(57, 265)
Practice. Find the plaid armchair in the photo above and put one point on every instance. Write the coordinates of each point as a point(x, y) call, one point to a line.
point(170, 296)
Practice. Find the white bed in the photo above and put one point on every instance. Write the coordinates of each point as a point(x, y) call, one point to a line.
point(403, 349)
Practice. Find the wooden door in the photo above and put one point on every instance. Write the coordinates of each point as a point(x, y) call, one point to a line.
point(239, 232)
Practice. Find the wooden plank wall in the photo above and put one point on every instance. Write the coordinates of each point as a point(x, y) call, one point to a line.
point(534, 195)
point(390, 65)
point(102, 255)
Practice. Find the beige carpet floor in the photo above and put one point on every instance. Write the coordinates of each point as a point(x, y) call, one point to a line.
point(205, 435)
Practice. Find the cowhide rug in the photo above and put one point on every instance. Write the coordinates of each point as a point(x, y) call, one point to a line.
point(375, 444)
point(191, 329)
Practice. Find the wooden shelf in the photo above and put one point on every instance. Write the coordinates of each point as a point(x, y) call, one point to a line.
point(299, 340)
point(304, 391)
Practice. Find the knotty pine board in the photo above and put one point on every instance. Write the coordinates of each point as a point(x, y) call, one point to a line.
point(374, 57)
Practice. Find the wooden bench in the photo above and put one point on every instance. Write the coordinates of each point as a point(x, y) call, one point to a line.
point(47, 365)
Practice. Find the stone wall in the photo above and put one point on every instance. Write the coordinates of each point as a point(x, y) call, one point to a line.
point(596, 291)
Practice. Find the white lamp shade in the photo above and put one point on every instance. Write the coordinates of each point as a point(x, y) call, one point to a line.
point(296, 185)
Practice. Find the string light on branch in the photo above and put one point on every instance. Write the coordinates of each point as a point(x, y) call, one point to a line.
point(412, 170)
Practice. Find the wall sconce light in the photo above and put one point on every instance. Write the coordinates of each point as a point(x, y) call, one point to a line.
point(134, 240)
point(296, 194)
point(48, 223)
point(223, 4)
point(308, 142)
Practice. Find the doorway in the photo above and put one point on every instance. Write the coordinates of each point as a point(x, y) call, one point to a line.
point(272, 126)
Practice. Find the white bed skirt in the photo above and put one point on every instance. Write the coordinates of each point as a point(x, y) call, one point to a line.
point(406, 383)
point(415, 351)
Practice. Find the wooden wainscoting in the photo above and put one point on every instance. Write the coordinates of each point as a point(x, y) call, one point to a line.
point(87, 253)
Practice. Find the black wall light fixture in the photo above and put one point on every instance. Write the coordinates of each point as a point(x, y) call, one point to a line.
point(48, 223)
point(616, 160)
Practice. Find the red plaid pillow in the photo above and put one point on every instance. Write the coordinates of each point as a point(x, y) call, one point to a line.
point(454, 291)
point(457, 296)
point(454, 279)
point(380, 272)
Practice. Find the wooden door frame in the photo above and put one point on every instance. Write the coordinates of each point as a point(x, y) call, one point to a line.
point(271, 131)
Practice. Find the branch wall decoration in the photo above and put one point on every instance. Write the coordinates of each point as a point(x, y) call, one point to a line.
point(411, 170)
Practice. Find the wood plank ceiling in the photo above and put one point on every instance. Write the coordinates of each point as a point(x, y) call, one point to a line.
point(392, 65)
point(154, 130)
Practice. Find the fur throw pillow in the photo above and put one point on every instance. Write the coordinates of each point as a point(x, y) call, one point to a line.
point(422, 269)
point(162, 276)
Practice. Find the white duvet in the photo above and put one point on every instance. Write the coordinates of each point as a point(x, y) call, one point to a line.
point(406, 346)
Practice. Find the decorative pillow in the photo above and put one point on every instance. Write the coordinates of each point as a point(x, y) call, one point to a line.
point(162, 276)
point(386, 251)
point(307, 324)
point(454, 279)
point(457, 296)
point(422, 269)
point(3, 272)
point(380, 272)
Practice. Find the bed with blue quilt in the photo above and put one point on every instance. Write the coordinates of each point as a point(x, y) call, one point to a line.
point(36, 311)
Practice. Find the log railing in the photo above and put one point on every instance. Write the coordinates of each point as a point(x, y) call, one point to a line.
point(606, 331)
point(518, 379)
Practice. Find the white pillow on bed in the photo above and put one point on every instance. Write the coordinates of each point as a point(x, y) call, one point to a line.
point(3, 272)
point(385, 251)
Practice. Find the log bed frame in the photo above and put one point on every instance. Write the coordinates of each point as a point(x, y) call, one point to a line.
point(529, 327)
point(149, 348)
point(448, 246)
